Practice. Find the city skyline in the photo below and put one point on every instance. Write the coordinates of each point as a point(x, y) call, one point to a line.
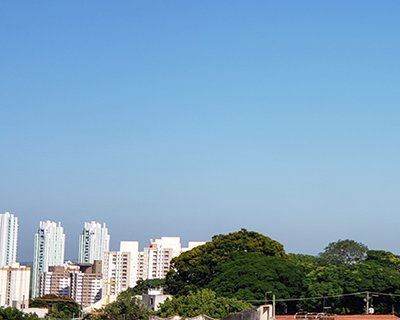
point(202, 118)
point(93, 239)
point(117, 241)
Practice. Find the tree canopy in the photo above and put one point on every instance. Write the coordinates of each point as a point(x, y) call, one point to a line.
point(216, 278)
point(142, 286)
point(59, 307)
point(15, 314)
point(246, 265)
point(249, 276)
point(344, 252)
point(204, 302)
point(126, 307)
point(194, 269)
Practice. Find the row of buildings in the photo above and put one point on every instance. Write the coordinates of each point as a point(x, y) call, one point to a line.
point(99, 271)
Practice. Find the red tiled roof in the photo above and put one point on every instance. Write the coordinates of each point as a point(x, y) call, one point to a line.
point(367, 317)
point(349, 317)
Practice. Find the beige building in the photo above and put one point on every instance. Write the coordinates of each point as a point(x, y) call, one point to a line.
point(56, 280)
point(156, 258)
point(120, 268)
point(81, 282)
point(14, 286)
point(86, 285)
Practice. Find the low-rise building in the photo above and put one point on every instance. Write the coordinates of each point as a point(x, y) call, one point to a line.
point(154, 298)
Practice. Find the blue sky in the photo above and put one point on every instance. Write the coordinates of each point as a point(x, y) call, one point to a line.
point(195, 118)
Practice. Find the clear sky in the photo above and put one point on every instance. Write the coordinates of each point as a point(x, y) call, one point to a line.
point(195, 118)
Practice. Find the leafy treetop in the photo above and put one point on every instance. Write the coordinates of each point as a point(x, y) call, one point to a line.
point(194, 269)
point(344, 252)
point(59, 307)
point(204, 302)
point(142, 286)
point(126, 307)
point(15, 314)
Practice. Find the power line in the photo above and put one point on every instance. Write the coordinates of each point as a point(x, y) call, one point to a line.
point(330, 296)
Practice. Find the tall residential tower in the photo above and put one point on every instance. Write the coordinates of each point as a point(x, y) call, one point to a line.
point(48, 250)
point(8, 239)
point(93, 242)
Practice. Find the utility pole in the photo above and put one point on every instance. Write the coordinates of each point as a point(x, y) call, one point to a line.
point(367, 303)
point(273, 306)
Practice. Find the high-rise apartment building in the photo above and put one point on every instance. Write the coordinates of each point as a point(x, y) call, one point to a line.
point(14, 286)
point(56, 281)
point(81, 282)
point(86, 285)
point(155, 260)
point(8, 239)
point(49, 246)
point(93, 242)
point(120, 268)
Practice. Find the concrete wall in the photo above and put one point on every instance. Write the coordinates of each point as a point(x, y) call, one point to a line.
point(263, 312)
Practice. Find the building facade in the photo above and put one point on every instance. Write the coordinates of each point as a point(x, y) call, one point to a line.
point(56, 280)
point(86, 285)
point(8, 239)
point(14, 286)
point(120, 268)
point(155, 260)
point(81, 282)
point(93, 242)
point(49, 244)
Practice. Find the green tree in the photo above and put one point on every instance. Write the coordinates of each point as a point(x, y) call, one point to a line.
point(384, 257)
point(249, 276)
point(59, 307)
point(326, 280)
point(344, 252)
point(341, 280)
point(373, 276)
point(126, 307)
point(203, 302)
point(142, 286)
point(306, 262)
point(15, 314)
point(194, 269)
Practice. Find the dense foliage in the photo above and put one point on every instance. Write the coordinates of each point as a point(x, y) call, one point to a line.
point(196, 268)
point(142, 286)
point(249, 276)
point(344, 252)
point(235, 271)
point(15, 314)
point(251, 267)
point(126, 307)
point(59, 307)
point(202, 302)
